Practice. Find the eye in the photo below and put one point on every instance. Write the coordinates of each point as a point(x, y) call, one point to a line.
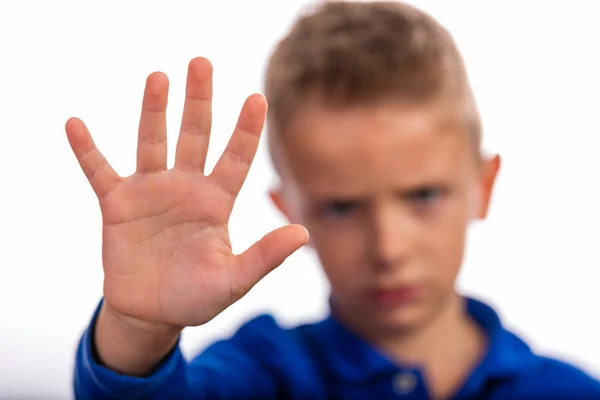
point(425, 196)
point(338, 209)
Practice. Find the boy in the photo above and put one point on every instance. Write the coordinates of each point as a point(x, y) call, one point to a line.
point(376, 137)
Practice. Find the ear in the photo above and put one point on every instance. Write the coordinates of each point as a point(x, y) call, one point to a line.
point(276, 197)
point(489, 172)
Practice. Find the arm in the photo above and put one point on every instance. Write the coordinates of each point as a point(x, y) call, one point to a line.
point(94, 380)
point(166, 251)
point(128, 346)
point(226, 370)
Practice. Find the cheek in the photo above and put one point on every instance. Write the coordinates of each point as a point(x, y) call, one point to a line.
point(446, 242)
point(341, 252)
point(452, 252)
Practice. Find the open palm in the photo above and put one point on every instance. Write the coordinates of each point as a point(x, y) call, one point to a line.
point(167, 256)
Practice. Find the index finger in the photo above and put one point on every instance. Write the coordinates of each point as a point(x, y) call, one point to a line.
point(232, 168)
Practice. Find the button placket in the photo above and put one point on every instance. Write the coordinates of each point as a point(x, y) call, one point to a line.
point(405, 382)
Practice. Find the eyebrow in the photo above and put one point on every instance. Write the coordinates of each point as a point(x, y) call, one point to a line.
point(406, 191)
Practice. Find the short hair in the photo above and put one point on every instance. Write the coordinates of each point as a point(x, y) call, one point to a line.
point(347, 53)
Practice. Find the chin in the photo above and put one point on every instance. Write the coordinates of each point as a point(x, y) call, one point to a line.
point(402, 318)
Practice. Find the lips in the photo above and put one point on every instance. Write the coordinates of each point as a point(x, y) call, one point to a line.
point(398, 296)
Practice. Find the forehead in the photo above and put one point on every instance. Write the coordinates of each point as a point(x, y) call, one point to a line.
point(353, 150)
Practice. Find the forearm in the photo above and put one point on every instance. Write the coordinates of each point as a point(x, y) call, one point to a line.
point(128, 346)
point(152, 367)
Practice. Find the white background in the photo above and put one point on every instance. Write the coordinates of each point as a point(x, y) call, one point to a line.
point(534, 67)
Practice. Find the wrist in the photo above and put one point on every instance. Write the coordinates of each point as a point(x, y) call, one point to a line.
point(135, 327)
point(131, 346)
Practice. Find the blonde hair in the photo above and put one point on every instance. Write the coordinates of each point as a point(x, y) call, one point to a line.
point(361, 53)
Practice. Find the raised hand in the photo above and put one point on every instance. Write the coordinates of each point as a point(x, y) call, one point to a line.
point(166, 250)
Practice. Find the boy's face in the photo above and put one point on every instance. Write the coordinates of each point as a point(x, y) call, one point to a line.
point(387, 194)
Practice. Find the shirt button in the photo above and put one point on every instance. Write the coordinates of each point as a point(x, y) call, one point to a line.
point(405, 383)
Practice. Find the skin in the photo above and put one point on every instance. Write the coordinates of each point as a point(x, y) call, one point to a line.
point(166, 251)
point(387, 193)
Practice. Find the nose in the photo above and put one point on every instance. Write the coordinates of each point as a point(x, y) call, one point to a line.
point(393, 236)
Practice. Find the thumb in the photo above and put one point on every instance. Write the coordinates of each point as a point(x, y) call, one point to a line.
point(267, 254)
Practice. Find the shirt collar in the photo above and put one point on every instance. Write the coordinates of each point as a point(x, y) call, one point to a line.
point(351, 358)
point(508, 357)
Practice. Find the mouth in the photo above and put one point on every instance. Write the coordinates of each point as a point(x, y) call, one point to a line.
point(398, 296)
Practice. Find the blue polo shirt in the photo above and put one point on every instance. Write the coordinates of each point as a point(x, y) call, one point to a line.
point(326, 361)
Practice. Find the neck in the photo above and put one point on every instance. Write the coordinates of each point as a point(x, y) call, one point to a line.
point(446, 348)
point(441, 336)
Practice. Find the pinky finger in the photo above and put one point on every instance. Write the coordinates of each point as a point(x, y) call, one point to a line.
point(98, 171)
